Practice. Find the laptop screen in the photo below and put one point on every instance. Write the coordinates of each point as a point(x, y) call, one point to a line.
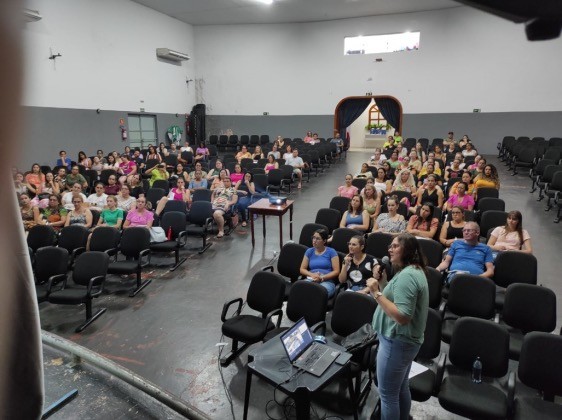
point(297, 339)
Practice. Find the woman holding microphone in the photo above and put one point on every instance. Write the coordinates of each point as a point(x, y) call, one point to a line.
point(399, 320)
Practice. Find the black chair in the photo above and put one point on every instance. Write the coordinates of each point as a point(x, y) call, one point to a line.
point(173, 222)
point(265, 295)
point(471, 296)
point(233, 141)
point(164, 184)
point(546, 178)
point(458, 394)
point(491, 219)
point(201, 195)
point(88, 277)
point(51, 265)
point(213, 139)
point(200, 219)
point(359, 183)
point(352, 311)
point(513, 267)
point(223, 142)
point(432, 250)
point(340, 238)
point(490, 203)
point(553, 189)
point(377, 244)
point(540, 368)
point(105, 239)
point(276, 182)
point(306, 300)
point(289, 264)
point(435, 285)
point(73, 238)
point(486, 192)
point(536, 173)
point(153, 195)
point(175, 206)
point(135, 247)
point(329, 218)
point(527, 308)
point(426, 385)
point(526, 158)
point(307, 231)
point(339, 203)
point(40, 236)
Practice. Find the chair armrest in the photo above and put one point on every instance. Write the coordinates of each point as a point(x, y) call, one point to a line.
point(439, 374)
point(270, 315)
point(95, 282)
point(144, 253)
point(267, 268)
point(53, 280)
point(77, 251)
point(510, 393)
point(228, 304)
point(442, 308)
point(319, 325)
point(112, 252)
point(497, 318)
point(182, 238)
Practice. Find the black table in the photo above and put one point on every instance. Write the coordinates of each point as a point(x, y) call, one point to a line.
point(270, 362)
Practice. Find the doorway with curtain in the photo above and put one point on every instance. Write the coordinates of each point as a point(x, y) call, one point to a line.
point(354, 113)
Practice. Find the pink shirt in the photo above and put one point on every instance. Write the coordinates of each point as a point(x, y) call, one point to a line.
point(466, 201)
point(139, 219)
point(235, 177)
point(348, 192)
point(127, 167)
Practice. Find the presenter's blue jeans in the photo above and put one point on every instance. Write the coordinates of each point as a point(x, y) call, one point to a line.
point(394, 360)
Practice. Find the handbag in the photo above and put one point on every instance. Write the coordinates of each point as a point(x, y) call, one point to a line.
point(157, 234)
point(360, 338)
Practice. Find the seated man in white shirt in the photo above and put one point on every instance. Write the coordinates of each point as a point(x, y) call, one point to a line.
point(67, 196)
point(297, 163)
point(98, 201)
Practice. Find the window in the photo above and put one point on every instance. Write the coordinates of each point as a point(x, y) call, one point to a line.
point(374, 44)
point(375, 117)
point(142, 130)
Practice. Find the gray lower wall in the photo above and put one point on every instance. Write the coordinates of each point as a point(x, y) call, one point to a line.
point(47, 130)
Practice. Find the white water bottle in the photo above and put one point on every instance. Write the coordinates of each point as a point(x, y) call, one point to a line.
point(477, 371)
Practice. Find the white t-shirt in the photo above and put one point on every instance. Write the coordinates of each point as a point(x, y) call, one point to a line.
point(67, 200)
point(97, 202)
point(294, 161)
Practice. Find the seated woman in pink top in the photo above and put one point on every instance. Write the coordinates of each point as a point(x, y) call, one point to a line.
point(127, 168)
point(139, 216)
point(512, 236)
point(178, 193)
point(461, 198)
point(237, 175)
point(271, 164)
point(348, 190)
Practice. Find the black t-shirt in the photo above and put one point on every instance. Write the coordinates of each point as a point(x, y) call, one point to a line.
point(357, 275)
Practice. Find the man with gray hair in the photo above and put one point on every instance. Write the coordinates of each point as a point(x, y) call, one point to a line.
point(468, 255)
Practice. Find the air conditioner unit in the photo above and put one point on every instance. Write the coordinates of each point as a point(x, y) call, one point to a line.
point(171, 55)
point(31, 15)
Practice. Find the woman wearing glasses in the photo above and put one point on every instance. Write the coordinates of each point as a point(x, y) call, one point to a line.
point(81, 215)
point(399, 320)
point(321, 263)
point(452, 229)
point(357, 266)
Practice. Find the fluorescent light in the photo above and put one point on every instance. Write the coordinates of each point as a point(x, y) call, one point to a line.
point(266, 1)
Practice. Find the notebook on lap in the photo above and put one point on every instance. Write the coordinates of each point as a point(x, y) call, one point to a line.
point(306, 354)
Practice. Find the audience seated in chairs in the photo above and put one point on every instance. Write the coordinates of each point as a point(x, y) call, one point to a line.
point(179, 193)
point(245, 190)
point(321, 264)
point(423, 225)
point(355, 217)
point(371, 202)
point(357, 266)
point(80, 215)
point(469, 255)
point(512, 236)
point(223, 199)
point(390, 222)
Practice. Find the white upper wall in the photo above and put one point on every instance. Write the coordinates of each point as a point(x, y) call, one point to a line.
point(467, 59)
point(108, 58)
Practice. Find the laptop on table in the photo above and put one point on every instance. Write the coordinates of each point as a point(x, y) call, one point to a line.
point(306, 354)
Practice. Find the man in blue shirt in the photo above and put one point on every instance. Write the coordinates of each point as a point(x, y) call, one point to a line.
point(63, 160)
point(469, 255)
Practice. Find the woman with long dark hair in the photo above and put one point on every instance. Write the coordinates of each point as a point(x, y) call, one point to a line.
point(424, 224)
point(512, 236)
point(399, 320)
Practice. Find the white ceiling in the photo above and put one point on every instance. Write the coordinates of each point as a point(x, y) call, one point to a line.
point(224, 12)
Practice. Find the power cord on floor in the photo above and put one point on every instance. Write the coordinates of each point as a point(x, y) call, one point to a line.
point(226, 391)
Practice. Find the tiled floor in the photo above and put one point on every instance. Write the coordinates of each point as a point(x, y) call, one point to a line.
point(168, 333)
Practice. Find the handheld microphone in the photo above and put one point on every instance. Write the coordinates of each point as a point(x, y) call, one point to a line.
point(384, 263)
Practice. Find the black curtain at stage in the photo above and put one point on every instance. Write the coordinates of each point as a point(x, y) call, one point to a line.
point(390, 111)
point(349, 111)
